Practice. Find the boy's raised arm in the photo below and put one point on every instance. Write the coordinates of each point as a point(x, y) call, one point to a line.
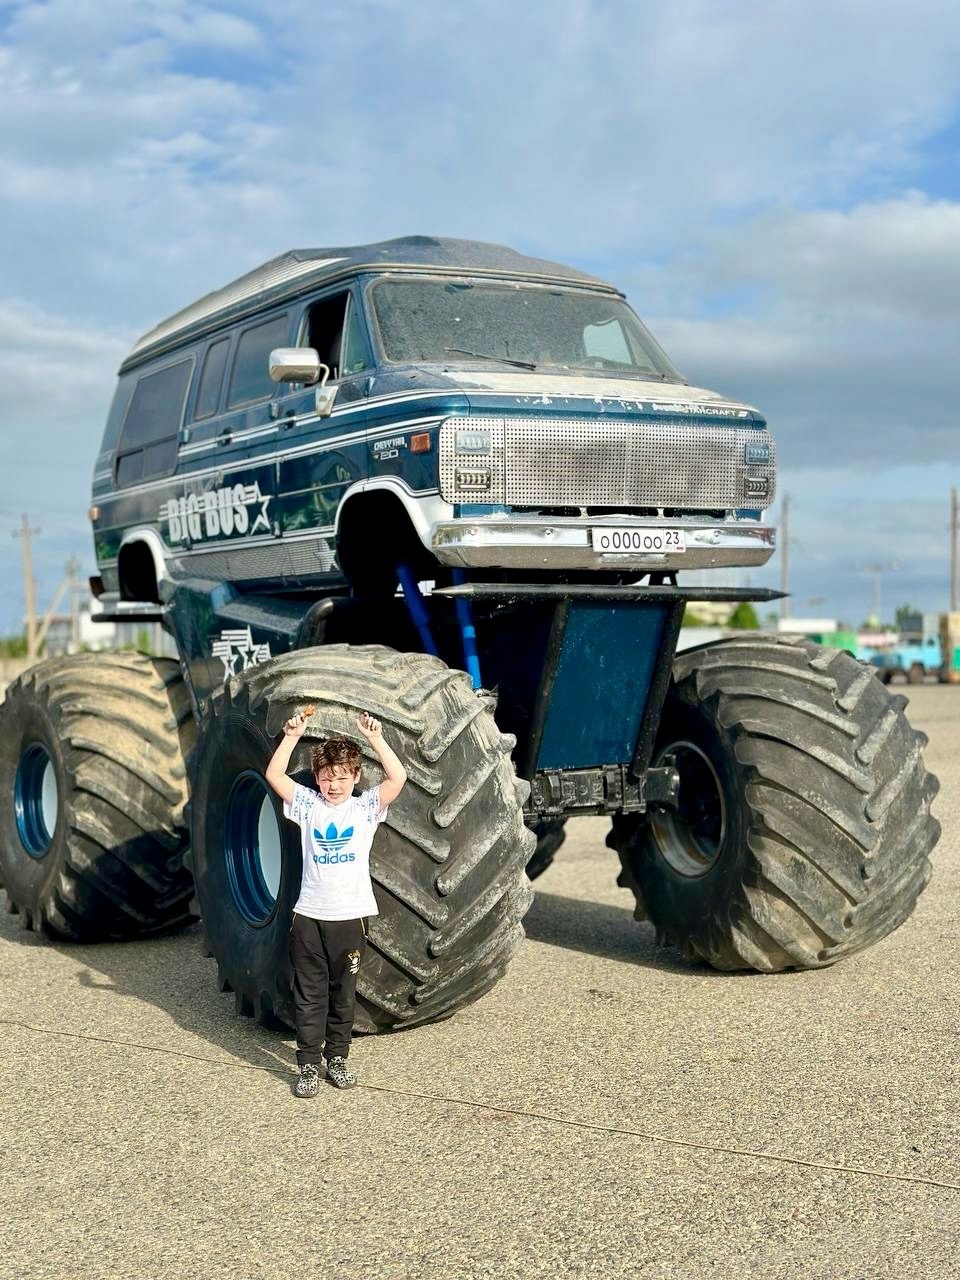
point(396, 775)
point(276, 774)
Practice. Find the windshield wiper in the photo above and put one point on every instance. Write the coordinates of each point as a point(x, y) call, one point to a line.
point(485, 355)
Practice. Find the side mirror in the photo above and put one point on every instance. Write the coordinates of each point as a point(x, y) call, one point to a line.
point(296, 364)
point(302, 364)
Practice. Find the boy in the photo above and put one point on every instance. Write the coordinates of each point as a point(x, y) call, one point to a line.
point(327, 934)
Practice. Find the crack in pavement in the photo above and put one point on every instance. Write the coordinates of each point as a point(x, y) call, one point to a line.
point(589, 1125)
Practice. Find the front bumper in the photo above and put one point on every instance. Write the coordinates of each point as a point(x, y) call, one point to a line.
point(533, 542)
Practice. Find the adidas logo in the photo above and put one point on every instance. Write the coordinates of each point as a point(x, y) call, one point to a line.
point(332, 842)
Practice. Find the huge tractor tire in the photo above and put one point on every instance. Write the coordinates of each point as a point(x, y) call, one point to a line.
point(550, 834)
point(92, 834)
point(447, 865)
point(803, 828)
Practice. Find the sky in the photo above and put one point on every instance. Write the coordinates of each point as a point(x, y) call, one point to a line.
point(774, 185)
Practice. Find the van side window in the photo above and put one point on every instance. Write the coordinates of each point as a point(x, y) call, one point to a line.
point(324, 332)
point(148, 441)
point(250, 379)
point(211, 379)
point(356, 348)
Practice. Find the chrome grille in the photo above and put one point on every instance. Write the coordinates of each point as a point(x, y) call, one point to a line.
point(671, 462)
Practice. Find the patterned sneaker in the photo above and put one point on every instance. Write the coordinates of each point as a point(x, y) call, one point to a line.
point(338, 1074)
point(308, 1084)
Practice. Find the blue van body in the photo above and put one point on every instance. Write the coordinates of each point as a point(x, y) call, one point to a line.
point(206, 467)
point(489, 420)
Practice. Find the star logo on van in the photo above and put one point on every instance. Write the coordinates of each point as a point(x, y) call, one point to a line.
point(236, 645)
point(262, 519)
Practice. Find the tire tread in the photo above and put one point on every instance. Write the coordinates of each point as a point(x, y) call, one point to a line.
point(121, 721)
point(839, 822)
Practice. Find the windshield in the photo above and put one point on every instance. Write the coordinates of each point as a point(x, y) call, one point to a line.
point(443, 320)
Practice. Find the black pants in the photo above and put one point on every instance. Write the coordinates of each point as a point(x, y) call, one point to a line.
point(326, 959)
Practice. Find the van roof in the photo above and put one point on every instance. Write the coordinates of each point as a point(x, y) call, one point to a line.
point(292, 272)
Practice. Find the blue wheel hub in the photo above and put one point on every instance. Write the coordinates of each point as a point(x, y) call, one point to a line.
point(253, 846)
point(36, 800)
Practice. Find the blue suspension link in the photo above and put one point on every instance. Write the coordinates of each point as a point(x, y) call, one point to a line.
point(468, 632)
point(417, 609)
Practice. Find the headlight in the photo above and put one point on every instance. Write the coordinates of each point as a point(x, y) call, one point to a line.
point(472, 461)
point(473, 441)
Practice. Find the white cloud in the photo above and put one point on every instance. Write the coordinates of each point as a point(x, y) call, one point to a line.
point(890, 259)
point(58, 375)
point(206, 28)
point(25, 329)
point(842, 326)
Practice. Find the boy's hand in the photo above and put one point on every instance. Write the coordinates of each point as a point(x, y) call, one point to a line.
point(369, 727)
point(296, 726)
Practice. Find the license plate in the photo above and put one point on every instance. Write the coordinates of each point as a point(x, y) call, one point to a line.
point(638, 541)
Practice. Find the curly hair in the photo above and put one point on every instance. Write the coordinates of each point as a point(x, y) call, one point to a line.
point(335, 753)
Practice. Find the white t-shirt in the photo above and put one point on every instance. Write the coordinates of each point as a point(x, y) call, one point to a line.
point(336, 840)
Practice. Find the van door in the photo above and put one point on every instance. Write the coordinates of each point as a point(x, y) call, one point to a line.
point(320, 458)
point(229, 461)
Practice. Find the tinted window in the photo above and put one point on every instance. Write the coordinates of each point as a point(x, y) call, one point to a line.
point(118, 410)
point(148, 443)
point(211, 379)
point(159, 459)
point(130, 467)
point(250, 379)
point(157, 406)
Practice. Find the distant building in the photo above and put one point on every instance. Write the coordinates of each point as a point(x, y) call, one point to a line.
point(91, 634)
point(712, 613)
point(806, 626)
point(877, 639)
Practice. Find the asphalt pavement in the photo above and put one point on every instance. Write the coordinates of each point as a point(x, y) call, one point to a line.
point(607, 1110)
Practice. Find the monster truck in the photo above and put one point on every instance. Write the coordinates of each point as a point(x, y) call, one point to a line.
point(459, 488)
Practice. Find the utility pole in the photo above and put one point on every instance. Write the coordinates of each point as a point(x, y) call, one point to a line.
point(41, 636)
point(26, 532)
point(876, 571)
point(785, 556)
point(953, 550)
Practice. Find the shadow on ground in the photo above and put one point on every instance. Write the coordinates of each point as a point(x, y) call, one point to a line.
point(174, 975)
point(599, 929)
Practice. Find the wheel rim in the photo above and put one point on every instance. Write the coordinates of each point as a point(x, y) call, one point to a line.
point(36, 800)
point(253, 846)
point(690, 838)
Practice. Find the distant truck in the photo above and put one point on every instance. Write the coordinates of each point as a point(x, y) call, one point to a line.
point(914, 662)
point(918, 651)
